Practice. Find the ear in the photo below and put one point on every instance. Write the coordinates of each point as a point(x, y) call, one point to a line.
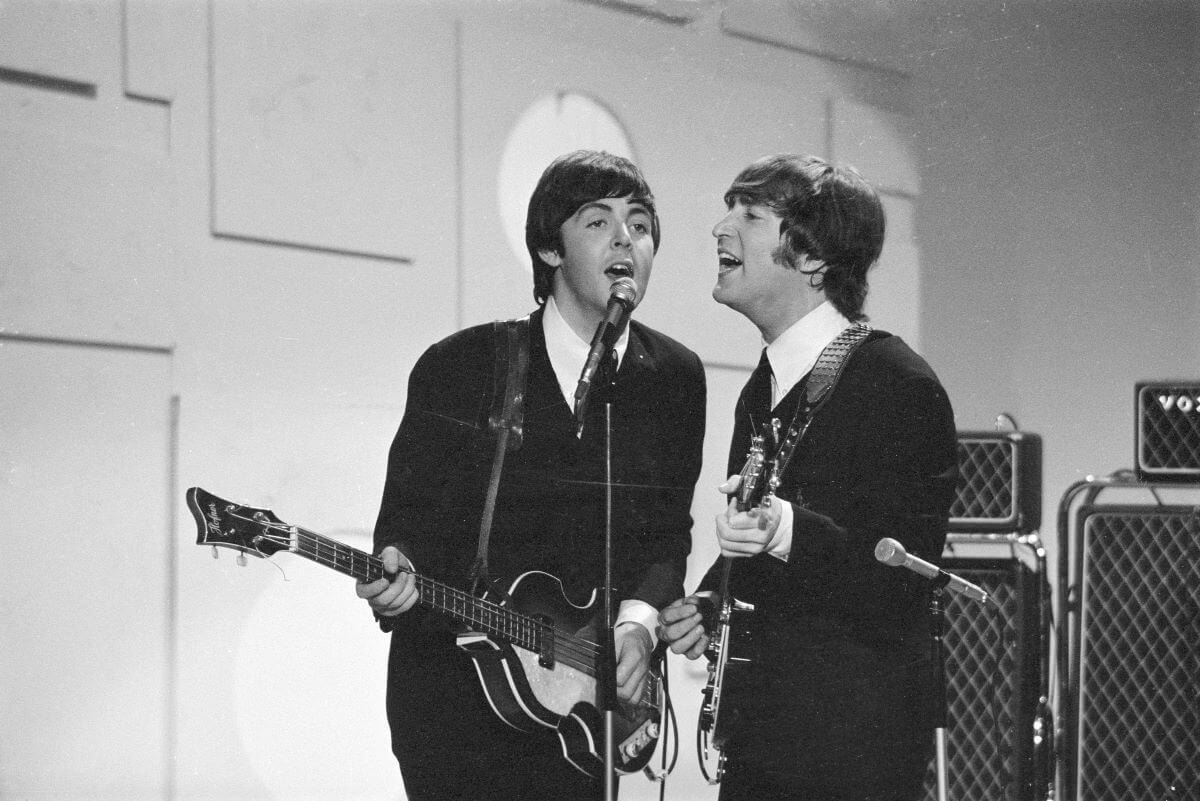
point(551, 257)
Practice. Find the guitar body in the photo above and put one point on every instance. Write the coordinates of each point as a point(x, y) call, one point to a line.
point(526, 691)
point(730, 657)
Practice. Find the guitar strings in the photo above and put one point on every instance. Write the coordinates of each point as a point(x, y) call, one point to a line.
point(573, 650)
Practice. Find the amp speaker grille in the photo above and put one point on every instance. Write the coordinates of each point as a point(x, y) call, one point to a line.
point(1135, 673)
point(999, 483)
point(993, 660)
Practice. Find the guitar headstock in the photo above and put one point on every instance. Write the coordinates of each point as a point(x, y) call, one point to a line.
point(243, 528)
point(750, 491)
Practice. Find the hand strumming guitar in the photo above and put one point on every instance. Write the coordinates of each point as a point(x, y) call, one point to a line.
point(683, 627)
point(634, 646)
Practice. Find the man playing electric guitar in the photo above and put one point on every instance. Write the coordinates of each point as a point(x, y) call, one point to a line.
point(835, 705)
point(591, 225)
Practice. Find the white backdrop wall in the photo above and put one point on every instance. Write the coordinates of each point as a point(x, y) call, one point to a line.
point(230, 228)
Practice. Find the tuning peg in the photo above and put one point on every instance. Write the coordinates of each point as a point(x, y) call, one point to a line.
point(241, 560)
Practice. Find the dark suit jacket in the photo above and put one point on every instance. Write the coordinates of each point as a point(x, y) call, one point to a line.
point(550, 508)
point(839, 682)
point(549, 516)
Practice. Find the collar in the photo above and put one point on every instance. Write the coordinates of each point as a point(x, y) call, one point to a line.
point(568, 352)
point(795, 351)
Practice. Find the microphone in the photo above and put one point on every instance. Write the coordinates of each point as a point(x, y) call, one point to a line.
point(621, 300)
point(891, 552)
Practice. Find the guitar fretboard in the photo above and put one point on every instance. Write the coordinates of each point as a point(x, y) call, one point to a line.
point(481, 614)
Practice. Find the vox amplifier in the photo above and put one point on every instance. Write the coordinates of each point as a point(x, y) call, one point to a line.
point(1168, 430)
point(999, 483)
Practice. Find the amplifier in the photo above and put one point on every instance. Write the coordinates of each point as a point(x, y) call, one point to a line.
point(1168, 430)
point(1131, 705)
point(994, 660)
point(999, 483)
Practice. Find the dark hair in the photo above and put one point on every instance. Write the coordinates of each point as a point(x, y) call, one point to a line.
point(569, 182)
point(830, 214)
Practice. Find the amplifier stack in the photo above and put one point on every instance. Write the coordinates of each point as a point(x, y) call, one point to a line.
point(996, 656)
point(1129, 613)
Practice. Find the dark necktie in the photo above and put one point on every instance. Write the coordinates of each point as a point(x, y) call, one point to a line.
point(759, 397)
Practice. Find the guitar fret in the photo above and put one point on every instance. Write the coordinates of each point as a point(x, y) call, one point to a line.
point(486, 615)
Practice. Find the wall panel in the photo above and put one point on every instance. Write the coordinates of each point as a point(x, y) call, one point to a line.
point(77, 40)
point(85, 676)
point(333, 127)
point(92, 255)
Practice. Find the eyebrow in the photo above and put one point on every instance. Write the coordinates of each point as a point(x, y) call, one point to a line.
point(594, 204)
point(635, 206)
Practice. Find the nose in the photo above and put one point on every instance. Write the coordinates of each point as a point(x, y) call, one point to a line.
point(621, 237)
point(722, 227)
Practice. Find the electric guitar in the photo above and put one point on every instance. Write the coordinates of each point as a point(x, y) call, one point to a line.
point(537, 654)
point(728, 633)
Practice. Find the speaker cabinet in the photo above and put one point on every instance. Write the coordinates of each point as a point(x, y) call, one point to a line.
point(1168, 431)
point(999, 483)
point(994, 658)
point(1133, 703)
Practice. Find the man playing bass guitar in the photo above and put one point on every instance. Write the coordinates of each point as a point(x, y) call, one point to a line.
point(592, 232)
point(834, 702)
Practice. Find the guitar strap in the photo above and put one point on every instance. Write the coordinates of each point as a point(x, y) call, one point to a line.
point(831, 363)
point(506, 421)
point(820, 381)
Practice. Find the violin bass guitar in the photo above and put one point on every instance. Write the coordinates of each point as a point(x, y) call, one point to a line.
point(534, 650)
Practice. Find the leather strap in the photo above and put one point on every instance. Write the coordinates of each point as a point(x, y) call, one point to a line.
point(831, 363)
point(506, 421)
point(821, 379)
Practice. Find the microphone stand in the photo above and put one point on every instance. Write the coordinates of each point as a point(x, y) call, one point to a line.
point(607, 669)
point(937, 680)
point(609, 689)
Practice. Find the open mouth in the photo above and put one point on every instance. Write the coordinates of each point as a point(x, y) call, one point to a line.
point(619, 270)
point(727, 262)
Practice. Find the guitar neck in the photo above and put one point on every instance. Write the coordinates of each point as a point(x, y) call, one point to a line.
point(479, 613)
point(726, 569)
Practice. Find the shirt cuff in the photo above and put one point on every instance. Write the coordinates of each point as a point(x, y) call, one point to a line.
point(641, 613)
point(781, 544)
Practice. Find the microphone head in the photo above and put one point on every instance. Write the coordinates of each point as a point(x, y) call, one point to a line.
point(890, 552)
point(624, 291)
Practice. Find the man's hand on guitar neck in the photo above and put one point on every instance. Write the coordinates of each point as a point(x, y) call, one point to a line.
point(389, 597)
point(757, 530)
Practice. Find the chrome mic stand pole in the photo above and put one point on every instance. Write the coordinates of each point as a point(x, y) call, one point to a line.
point(610, 670)
point(607, 672)
point(937, 673)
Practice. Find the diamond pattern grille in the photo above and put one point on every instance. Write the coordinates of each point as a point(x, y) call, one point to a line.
point(992, 659)
point(1139, 678)
point(1169, 431)
point(985, 485)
